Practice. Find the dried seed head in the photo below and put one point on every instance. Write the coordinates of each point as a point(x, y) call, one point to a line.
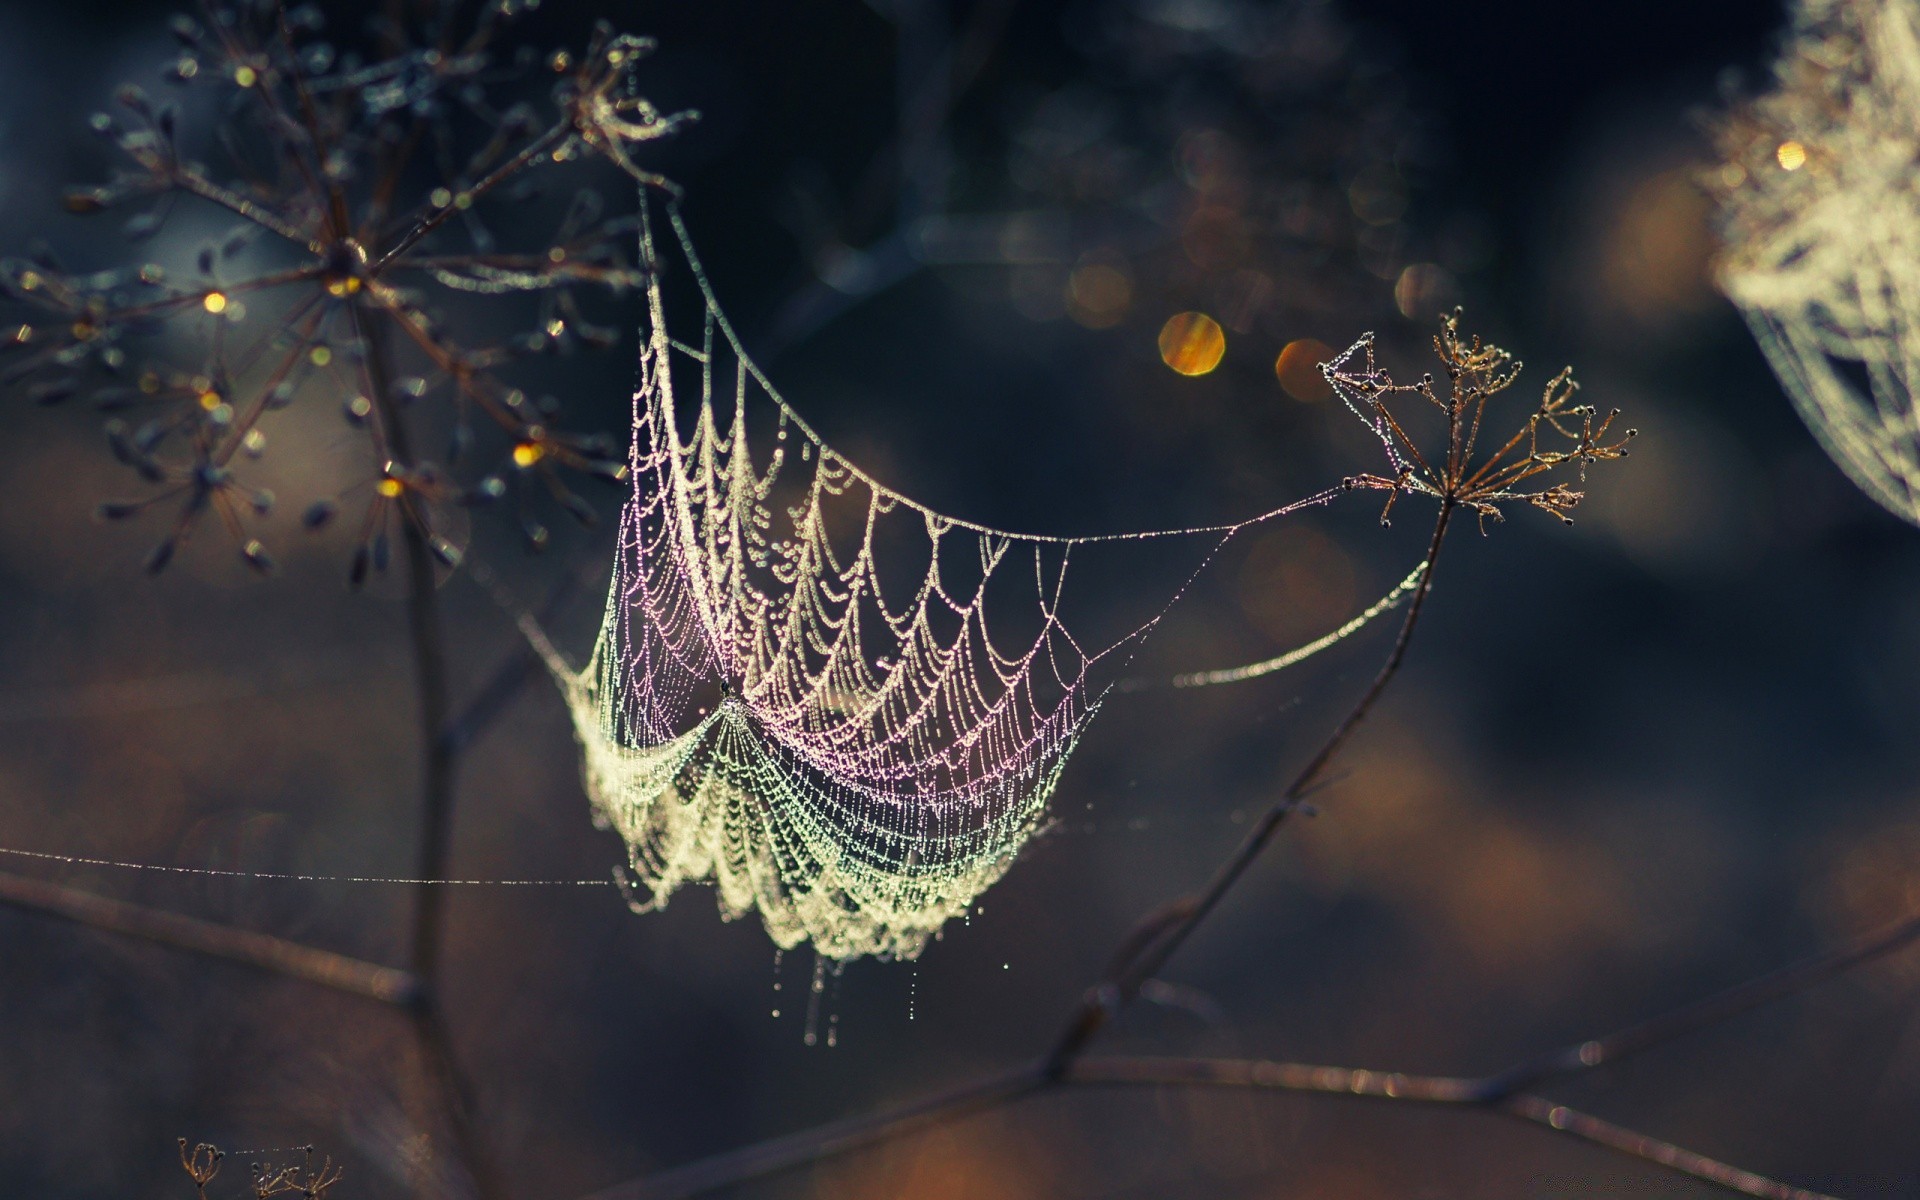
point(1557, 434)
point(353, 321)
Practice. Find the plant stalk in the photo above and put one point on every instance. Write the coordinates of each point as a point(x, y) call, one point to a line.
point(427, 637)
point(1156, 939)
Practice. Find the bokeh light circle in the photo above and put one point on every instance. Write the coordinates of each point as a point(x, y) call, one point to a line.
point(1192, 343)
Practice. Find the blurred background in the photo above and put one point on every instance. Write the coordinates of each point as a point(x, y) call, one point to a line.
point(1628, 762)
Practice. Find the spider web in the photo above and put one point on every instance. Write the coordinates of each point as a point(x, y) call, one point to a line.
point(1820, 207)
point(794, 694)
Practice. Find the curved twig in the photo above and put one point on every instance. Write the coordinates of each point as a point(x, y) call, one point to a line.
point(1156, 945)
point(389, 985)
point(1504, 1092)
point(1430, 1090)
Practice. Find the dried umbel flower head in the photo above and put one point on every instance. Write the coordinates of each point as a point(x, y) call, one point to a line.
point(265, 1180)
point(1557, 434)
point(1820, 212)
point(201, 1163)
point(371, 182)
point(302, 1179)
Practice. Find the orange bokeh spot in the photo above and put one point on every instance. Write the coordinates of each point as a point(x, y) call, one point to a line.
point(1298, 369)
point(1098, 294)
point(1192, 343)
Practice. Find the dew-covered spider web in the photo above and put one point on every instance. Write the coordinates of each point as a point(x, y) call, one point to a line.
point(1819, 207)
point(844, 710)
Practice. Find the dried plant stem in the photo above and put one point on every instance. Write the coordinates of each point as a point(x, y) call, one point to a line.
point(830, 1141)
point(1706, 1012)
point(1438, 1090)
point(1500, 1093)
point(439, 214)
point(522, 665)
point(1143, 953)
point(456, 1097)
point(389, 985)
point(424, 630)
point(325, 968)
point(429, 659)
point(1156, 938)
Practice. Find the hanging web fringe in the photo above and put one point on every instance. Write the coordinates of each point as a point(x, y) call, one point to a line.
point(794, 695)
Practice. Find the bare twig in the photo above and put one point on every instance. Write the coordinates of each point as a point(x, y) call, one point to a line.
point(906, 172)
point(1428, 1090)
point(389, 985)
point(1160, 935)
point(522, 665)
point(1146, 949)
point(1704, 1013)
point(436, 785)
point(438, 215)
point(1503, 1092)
point(847, 1136)
point(1475, 373)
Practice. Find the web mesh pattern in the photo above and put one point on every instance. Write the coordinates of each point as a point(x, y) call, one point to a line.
point(796, 695)
point(1820, 206)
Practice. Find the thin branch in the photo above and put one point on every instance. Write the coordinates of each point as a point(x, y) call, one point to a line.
point(1429, 1090)
point(389, 985)
point(856, 1133)
point(213, 193)
point(429, 660)
point(1599, 1132)
point(1499, 1093)
point(436, 785)
point(1156, 939)
point(521, 667)
point(1701, 1014)
point(1152, 944)
point(491, 699)
point(438, 214)
point(1143, 952)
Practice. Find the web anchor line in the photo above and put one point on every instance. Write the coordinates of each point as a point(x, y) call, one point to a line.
point(81, 860)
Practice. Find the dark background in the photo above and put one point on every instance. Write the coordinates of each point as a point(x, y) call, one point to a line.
point(1628, 762)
